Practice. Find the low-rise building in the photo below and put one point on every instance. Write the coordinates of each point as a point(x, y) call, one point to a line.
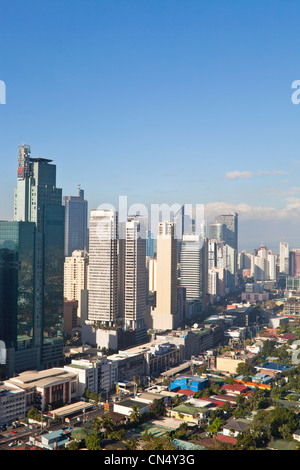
point(233, 427)
point(229, 361)
point(46, 387)
point(195, 383)
point(125, 407)
point(51, 441)
point(149, 359)
point(194, 340)
point(188, 413)
point(235, 389)
point(98, 374)
point(12, 403)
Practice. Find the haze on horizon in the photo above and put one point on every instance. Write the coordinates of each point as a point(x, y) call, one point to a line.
point(162, 101)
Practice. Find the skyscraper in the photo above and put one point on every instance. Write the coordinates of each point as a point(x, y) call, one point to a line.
point(230, 237)
point(149, 245)
point(103, 267)
point(284, 258)
point(135, 278)
point(17, 286)
point(164, 315)
point(75, 281)
point(38, 200)
point(217, 231)
point(76, 218)
point(192, 267)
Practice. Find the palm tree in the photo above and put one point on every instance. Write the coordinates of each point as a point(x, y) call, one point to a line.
point(132, 444)
point(135, 414)
point(108, 424)
point(97, 425)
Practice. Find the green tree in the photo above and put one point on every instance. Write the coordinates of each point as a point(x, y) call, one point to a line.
point(159, 443)
point(107, 423)
point(246, 441)
point(135, 414)
point(93, 442)
point(97, 425)
point(282, 416)
point(158, 407)
point(132, 444)
point(73, 445)
point(245, 369)
point(34, 413)
point(118, 434)
point(261, 423)
point(215, 425)
point(176, 400)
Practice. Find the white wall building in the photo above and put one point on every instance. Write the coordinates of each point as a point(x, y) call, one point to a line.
point(135, 275)
point(76, 282)
point(164, 315)
point(192, 266)
point(12, 403)
point(98, 375)
point(284, 253)
point(103, 267)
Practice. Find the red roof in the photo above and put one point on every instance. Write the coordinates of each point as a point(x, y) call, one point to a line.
point(287, 336)
point(213, 401)
point(225, 398)
point(208, 441)
point(186, 391)
point(227, 439)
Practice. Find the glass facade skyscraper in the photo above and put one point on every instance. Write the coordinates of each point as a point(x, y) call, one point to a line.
point(76, 219)
point(38, 200)
point(17, 244)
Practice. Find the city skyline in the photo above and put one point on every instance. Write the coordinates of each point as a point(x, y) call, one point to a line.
point(150, 212)
point(165, 103)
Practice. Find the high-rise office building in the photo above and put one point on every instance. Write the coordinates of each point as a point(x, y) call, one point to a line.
point(75, 282)
point(226, 227)
point(17, 287)
point(164, 315)
point(76, 219)
point(244, 260)
point(103, 267)
point(284, 258)
point(264, 265)
point(38, 200)
point(135, 278)
point(152, 274)
point(295, 262)
point(192, 267)
point(216, 282)
point(230, 234)
point(149, 245)
point(216, 231)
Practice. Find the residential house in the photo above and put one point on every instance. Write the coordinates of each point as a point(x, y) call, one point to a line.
point(189, 413)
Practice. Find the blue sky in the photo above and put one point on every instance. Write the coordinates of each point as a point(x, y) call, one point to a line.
point(163, 101)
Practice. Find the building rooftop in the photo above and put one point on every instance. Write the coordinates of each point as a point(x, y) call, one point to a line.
point(187, 408)
point(71, 408)
point(34, 378)
point(39, 159)
point(129, 403)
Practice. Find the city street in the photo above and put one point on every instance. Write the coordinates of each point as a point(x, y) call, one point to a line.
point(21, 434)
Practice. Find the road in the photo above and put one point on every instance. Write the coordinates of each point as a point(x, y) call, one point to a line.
point(21, 434)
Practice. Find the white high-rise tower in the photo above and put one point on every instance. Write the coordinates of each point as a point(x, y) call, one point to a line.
point(284, 257)
point(103, 267)
point(135, 276)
